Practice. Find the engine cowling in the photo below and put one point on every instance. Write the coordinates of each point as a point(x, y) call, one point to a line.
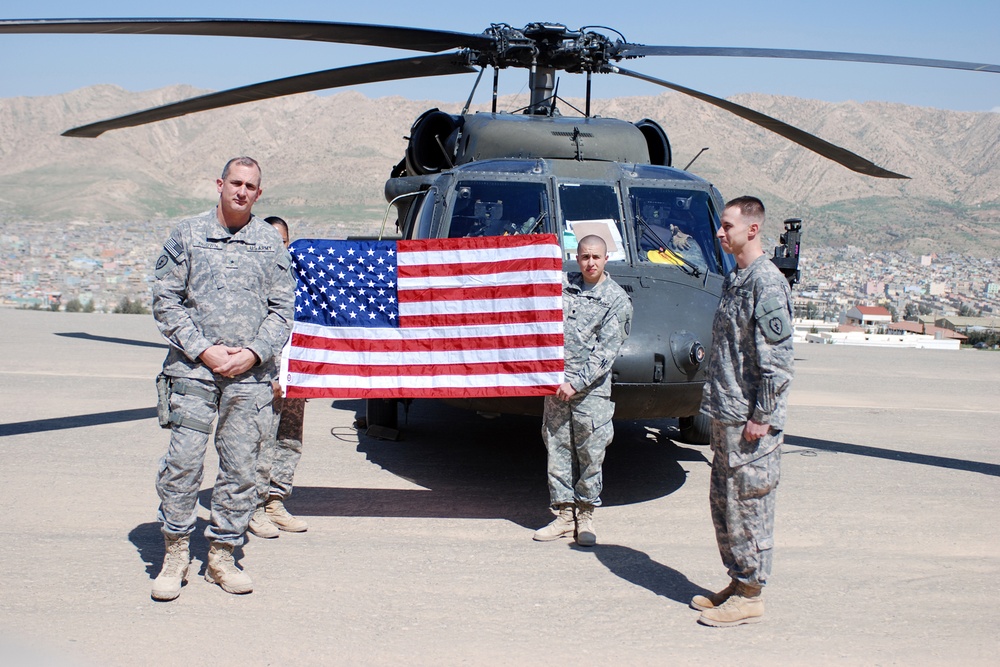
point(656, 140)
point(432, 142)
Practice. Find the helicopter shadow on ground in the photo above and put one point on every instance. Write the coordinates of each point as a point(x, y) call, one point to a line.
point(148, 542)
point(470, 467)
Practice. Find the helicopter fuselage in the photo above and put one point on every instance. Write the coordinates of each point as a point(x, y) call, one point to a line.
point(570, 177)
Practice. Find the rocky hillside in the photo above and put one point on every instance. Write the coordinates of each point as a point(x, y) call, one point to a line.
point(326, 159)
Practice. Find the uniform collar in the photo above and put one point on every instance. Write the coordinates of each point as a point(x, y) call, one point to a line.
point(574, 281)
point(216, 231)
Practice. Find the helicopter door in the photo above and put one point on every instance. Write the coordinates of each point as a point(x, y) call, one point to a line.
point(589, 209)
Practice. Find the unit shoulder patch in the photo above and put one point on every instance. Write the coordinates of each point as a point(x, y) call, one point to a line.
point(772, 317)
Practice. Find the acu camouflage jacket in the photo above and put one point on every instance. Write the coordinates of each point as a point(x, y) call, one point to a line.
point(216, 287)
point(750, 368)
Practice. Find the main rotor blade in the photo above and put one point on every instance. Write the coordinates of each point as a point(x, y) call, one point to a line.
point(414, 39)
point(638, 50)
point(408, 68)
point(833, 152)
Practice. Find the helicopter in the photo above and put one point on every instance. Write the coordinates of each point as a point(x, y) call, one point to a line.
point(535, 170)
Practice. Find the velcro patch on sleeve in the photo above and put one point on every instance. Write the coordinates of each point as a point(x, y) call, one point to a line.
point(772, 317)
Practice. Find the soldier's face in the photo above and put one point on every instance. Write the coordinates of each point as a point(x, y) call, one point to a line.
point(283, 233)
point(240, 189)
point(592, 258)
point(735, 230)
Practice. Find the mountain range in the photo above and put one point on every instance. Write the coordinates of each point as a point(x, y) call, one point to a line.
point(326, 159)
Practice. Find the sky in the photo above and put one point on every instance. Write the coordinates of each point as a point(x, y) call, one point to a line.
point(39, 65)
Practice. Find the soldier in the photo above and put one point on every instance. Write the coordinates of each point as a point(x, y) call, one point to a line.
point(577, 423)
point(223, 298)
point(745, 395)
point(279, 453)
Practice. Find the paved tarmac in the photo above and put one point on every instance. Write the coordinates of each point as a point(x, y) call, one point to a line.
point(419, 551)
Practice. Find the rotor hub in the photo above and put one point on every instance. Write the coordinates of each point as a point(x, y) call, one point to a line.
point(545, 45)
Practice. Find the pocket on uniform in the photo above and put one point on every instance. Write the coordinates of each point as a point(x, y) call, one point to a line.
point(604, 430)
point(759, 477)
point(265, 399)
point(212, 255)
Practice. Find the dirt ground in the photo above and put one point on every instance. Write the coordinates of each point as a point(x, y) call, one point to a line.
point(419, 551)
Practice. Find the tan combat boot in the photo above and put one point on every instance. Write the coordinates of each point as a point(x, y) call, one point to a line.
point(222, 570)
point(261, 526)
point(167, 585)
point(562, 526)
point(585, 535)
point(281, 517)
point(745, 605)
point(703, 602)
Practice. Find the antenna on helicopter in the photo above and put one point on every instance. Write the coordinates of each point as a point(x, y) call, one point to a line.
point(468, 102)
point(695, 158)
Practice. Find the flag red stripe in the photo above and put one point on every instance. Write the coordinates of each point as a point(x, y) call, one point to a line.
point(425, 370)
point(467, 319)
point(477, 243)
point(437, 392)
point(425, 344)
point(478, 268)
point(485, 292)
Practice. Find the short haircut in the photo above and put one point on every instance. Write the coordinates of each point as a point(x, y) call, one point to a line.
point(750, 207)
point(276, 222)
point(242, 160)
point(593, 239)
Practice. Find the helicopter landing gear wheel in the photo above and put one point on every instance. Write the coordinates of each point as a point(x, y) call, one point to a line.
point(382, 412)
point(695, 430)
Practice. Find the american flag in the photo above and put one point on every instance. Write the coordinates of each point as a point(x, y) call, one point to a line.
point(437, 318)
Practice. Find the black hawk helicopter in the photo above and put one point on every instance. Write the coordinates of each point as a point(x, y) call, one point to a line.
point(535, 170)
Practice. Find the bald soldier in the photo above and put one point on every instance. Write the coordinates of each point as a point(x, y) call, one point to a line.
point(222, 297)
point(577, 420)
point(746, 395)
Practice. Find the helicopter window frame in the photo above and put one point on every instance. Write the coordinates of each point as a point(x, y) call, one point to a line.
point(407, 223)
point(697, 221)
point(491, 215)
point(568, 236)
point(420, 217)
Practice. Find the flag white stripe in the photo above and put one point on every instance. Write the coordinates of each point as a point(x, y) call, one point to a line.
point(435, 357)
point(477, 256)
point(486, 279)
point(479, 306)
point(422, 333)
point(357, 382)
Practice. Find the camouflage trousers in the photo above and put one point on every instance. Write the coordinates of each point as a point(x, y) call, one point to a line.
point(281, 450)
point(742, 499)
point(576, 434)
point(244, 412)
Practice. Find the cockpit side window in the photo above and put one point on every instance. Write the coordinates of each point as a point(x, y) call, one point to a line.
point(498, 208)
point(591, 209)
point(675, 227)
point(416, 214)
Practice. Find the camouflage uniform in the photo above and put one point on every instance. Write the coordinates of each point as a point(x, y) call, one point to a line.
point(281, 450)
point(576, 433)
point(217, 287)
point(749, 374)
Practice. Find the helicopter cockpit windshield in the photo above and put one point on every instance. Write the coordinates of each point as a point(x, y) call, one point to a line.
point(591, 208)
point(675, 227)
point(498, 208)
